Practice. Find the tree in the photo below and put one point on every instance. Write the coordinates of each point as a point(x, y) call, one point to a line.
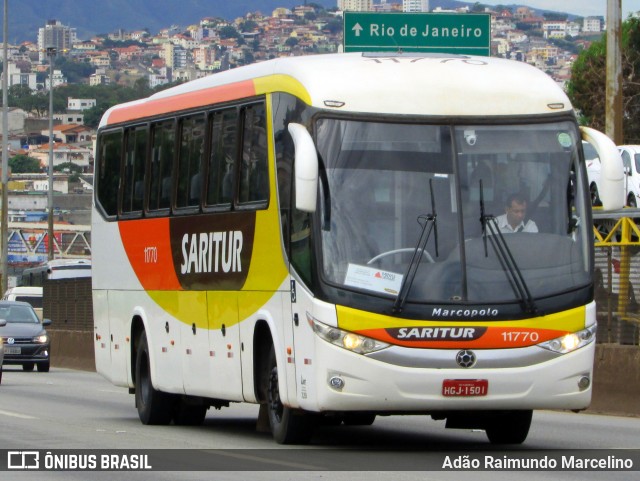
point(229, 32)
point(587, 87)
point(23, 164)
point(291, 42)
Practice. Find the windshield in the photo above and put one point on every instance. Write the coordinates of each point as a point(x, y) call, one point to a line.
point(522, 179)
point(18, 314)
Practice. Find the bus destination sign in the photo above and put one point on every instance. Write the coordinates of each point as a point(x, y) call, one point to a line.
point(460, 33)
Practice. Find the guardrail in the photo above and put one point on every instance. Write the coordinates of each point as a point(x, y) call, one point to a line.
point(617, 270)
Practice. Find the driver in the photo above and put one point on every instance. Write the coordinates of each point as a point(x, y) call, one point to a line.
point(514, 218)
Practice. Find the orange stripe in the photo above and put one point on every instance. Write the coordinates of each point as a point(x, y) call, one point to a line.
point(184, 101)
point(148, 246)
point(493, 338)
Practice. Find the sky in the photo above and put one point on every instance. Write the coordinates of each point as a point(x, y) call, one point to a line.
point(577, 7)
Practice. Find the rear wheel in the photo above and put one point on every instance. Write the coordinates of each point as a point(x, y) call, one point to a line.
point(510, 427)
point(154, 407)
point(0, 373)
point(44, 366)
point(28, 366)
point(288, 426)
point(631, 201)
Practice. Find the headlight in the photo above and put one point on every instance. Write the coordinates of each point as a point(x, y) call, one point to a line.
point(571, 342)
point(41, 339)
point(344, 339)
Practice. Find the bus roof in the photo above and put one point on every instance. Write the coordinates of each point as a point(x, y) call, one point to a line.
point(404, 84)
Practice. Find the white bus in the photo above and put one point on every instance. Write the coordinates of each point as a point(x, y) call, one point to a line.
point(55, 269)
point(320, 236)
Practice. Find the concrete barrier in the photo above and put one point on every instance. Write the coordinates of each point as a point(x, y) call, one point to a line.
point(616, 383)
point(616, 386)
point(72, 349)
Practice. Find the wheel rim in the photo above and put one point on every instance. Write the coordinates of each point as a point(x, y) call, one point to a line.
point(275, 405)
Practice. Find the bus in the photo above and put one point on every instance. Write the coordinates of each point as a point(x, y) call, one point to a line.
point(321, 236)
point(55, 269)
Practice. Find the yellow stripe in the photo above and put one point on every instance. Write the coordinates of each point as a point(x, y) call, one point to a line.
point(355, 320)
point(282, 83)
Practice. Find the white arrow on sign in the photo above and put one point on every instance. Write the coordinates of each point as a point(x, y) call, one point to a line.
point(357, 28)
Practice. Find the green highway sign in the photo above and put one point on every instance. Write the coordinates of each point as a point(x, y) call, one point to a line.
point(462, 33)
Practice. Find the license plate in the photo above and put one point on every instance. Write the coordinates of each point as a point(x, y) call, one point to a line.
point(465, 387)
point(11, 350)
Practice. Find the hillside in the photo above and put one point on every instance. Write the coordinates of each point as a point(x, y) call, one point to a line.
point(94, 17)
point(91, 17)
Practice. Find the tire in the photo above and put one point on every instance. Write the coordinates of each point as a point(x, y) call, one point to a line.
point(631, 201)
point(0, 373)
point(28, 366)
point(44, 366)
point(154, 407)
point(185, 414)
point(287, 425)
point(511, 427)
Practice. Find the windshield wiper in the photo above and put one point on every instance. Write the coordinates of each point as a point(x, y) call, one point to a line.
point(491, 230)
point(425, 220)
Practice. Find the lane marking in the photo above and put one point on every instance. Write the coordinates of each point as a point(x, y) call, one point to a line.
point(16, 415)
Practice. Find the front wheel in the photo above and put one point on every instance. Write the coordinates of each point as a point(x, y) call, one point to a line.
point(28, 366)
point(287, 425)
point(44, 366)
point(154, 407)
point(510, 427)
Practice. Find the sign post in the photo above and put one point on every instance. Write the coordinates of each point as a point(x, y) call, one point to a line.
point(466, 34)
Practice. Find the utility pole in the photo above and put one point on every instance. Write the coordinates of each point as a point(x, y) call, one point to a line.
point(4, 228)
point(613, 100)
point(51, 53)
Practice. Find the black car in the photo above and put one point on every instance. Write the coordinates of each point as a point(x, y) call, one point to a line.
point(25, 340)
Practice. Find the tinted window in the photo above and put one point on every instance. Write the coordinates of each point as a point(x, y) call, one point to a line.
point(108, 175)
point(190, 161)
point(134, 167)
point(162, 154)
point(254, 171)
point(224, 139)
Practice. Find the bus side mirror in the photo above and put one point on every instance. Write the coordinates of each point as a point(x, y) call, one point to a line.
point(306, 168)
point(612, 190)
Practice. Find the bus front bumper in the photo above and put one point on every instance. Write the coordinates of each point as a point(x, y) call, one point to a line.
point(345, 381)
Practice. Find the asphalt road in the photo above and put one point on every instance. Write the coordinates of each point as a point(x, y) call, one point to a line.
point(77, 410)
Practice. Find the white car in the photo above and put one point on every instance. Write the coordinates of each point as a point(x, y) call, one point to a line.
point(30, 294)
point(631, 160)
point(593, 171)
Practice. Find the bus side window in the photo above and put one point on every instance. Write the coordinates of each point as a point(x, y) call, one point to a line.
point(134, 169)
point(254, 170)
point(108, 175)
point(222, 158)
point(192, 135)
point(162, 152)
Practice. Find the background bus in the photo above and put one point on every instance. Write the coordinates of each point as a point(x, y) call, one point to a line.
point(320, 235)
point(55, 269)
